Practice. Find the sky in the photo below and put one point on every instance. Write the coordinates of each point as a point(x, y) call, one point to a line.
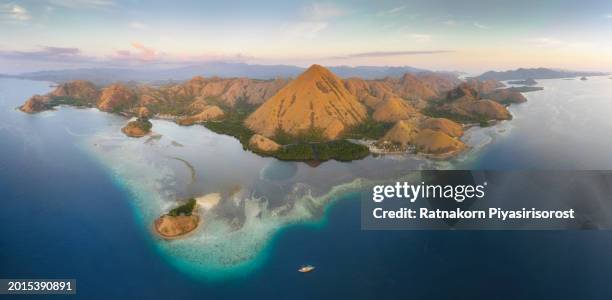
point(468, 35)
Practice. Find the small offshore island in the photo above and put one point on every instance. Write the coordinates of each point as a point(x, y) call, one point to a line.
point(178, 222)
point(314, 117)
point(137, 128)
point(528, 81)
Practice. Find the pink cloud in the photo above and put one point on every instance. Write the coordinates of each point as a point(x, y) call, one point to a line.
point(146, 53)
point(139, 53)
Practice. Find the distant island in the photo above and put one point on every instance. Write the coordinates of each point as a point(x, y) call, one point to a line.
point(536, 73)
point(528, 81)
point(106, 76)
point(314, 117)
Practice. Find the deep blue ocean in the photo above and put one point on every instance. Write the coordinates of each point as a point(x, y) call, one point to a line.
point(62, 216)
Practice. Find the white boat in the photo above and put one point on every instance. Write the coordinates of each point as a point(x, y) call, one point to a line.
point(306, 269)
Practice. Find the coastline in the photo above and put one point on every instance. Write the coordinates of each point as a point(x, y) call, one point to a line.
point(183, 252)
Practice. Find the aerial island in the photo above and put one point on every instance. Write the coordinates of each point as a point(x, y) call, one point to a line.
point(536, 73)
point(137, 128)
point(315, 117)
point(178, 222)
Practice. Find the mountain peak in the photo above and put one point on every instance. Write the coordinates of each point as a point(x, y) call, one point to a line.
point(316, 67)
point(315, 72)
point(197, 79)
point(315, 101)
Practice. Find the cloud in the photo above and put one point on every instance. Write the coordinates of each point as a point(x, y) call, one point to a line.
point(421, 38)
point(139, 52)
point(83, 3)
point(609, 16)
point(450, 22)
point(315, 18)
point(138, 25)
point(544, 42)
point(306, 29)
point(14, 12)
point(137, 55)
point(553, 43)
point(392, 11)
point(146, 53)
point(323, 11)
point(58, 54)
point(481, 26)
point(389, 53)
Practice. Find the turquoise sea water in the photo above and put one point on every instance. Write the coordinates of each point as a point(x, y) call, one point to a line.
point(79, 199)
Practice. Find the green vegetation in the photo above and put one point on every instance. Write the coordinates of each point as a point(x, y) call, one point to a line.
point(242, 108)
point(434, 113)
point(370, 129)
point(176, 105)
point(124, 106)
point(174, 108)
point(340, 150)
point(142, 123)
point(308, 146)
point(232, 128)
point(311, 145)
point(314, 135)
point(185, 209)
point(481, 120)
point(301, 151)
point(69, 101)
point(233, 123)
